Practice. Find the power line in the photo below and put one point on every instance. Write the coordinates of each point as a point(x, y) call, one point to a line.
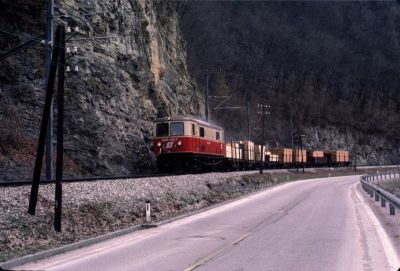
point(94, 38)
point(21, 47)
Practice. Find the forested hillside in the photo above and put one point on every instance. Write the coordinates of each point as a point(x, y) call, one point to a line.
point(335, 65)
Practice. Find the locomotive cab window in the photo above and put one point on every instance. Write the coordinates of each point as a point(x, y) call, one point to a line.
point(201, 132)
point(193, 129)
point(217, 135)
point(162, 129)
point(177, 128)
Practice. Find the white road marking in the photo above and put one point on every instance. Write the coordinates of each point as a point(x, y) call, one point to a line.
point(389, 250)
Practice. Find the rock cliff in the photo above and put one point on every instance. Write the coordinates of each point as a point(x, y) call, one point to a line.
point(132, 69)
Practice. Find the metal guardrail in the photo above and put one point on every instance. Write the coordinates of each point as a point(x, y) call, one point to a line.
point(367, 182)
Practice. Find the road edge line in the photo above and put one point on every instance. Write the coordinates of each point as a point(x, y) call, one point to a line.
point(391, 253)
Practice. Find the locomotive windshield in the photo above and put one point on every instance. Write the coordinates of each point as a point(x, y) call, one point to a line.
point(162, 129)
point(177, 128)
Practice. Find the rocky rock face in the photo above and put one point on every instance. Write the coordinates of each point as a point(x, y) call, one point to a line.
point(369, 149)
point(132, 69)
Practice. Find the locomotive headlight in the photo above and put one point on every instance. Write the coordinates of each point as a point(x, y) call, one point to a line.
point(159, 144)
point(179, 143)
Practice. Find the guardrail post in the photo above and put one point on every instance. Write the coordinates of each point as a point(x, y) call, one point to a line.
point(371, 194)
point(391, 209)
point(376, 196)
point(383, 202)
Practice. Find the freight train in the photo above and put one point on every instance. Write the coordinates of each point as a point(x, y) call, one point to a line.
point(186, 144)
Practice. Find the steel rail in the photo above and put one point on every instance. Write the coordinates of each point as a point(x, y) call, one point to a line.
point(88, 179)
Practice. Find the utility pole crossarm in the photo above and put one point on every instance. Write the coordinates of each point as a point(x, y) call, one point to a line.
point(206, 98)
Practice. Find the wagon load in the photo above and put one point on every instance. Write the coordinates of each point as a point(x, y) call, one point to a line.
point(247, 148)
point(284, 154)
point(233, 151)
point(339, 156)
point(316, 154)
point(300, 156)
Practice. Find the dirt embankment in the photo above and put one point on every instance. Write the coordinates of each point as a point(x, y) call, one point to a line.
point(95, 208)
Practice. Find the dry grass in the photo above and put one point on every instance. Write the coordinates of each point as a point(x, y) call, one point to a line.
point(390, 185)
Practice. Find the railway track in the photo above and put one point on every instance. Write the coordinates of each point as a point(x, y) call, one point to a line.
point(90, 179)
point(139, 176)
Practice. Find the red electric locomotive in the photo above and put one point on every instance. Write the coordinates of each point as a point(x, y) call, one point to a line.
point(187, 144)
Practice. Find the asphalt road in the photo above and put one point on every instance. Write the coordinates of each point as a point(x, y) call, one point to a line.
point(320, 224)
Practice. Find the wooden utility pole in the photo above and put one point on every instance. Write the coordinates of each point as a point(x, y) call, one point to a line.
point(355, 156)
point(206, 98)
point(60, 135)
point(291, 127)
point(48, 53)
point(248, 119)
point(43, 128)
point(299, 140)
point(301, 151)
point(263, 111)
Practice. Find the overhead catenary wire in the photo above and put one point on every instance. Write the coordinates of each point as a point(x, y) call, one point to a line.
point(22, 47)
point(19, 34)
